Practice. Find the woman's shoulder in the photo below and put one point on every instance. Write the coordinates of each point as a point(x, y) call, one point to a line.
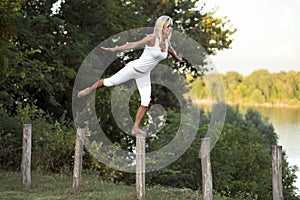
point(150, 39)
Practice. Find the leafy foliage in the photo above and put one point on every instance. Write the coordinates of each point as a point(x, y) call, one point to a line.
point(41, 49)
point(11, 141)
point(260, 87)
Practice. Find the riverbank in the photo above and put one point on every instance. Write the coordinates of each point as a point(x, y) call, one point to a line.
point(240, 103)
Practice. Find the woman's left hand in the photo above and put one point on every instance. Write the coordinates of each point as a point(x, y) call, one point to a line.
point(181, 60)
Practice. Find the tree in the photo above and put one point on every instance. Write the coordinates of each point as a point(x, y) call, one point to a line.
point(231, 82)
point(49, 47)
point(260, 87)
point(266, 130)
point(33, 71)
point(9, 52)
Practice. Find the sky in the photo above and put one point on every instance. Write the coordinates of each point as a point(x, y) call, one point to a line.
point(267, 37)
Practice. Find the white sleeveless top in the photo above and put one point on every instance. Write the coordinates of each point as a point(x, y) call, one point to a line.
point(150, 57)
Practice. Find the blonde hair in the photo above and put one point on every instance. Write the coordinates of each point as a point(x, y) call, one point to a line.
point(160, 23)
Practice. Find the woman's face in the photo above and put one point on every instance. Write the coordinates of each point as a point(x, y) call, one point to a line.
point(167, 29)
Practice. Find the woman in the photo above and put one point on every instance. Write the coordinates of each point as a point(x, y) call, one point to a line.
point(156, 49)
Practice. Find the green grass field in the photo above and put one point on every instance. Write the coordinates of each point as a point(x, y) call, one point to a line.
point(60, 187)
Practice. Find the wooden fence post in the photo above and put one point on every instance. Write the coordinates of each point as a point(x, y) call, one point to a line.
point(140, 167)
point(78, 159)
point(206, 169)
point(26, 155)
point(277, 172)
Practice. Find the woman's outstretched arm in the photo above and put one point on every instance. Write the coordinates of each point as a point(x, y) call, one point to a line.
point(132, 45)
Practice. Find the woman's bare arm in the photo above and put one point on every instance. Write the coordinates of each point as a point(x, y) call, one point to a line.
point(132, 45)
point(174, 54)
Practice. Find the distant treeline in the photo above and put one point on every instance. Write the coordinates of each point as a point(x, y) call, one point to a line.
point(259, 88)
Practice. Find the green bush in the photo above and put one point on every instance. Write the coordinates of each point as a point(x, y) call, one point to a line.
point(52, 141)
point(11, 141)
point(53, 144)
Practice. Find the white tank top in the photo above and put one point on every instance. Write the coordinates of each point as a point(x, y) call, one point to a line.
point(150, 57)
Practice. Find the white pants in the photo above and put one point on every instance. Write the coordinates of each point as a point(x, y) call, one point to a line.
point(142, 80)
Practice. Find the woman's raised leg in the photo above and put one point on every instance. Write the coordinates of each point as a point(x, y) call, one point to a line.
point(88, 90)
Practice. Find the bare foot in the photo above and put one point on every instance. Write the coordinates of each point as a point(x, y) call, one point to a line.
point(84, 92)
point(136, 131)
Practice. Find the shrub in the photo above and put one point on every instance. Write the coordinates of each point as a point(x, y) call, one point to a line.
point(11, 141)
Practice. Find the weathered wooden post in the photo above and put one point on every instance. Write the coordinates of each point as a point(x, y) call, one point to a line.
point(26, 155)
point(277, 172)
point(140, 167)
point(78, 159)
point(206, 169)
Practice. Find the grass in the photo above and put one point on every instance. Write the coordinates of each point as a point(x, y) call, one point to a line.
point(60, 187)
